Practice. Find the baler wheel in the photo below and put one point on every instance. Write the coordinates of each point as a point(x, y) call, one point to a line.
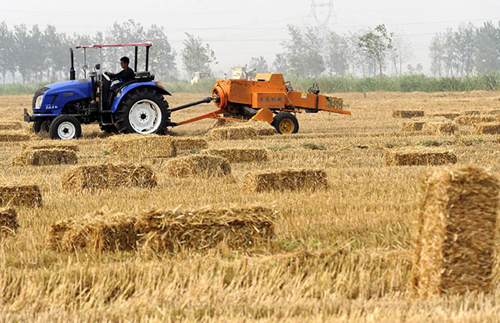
point(285, 123)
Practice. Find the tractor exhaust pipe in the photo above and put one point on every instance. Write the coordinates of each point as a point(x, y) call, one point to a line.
point(72, 69)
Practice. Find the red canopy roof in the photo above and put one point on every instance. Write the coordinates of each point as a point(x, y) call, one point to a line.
point(114, 45)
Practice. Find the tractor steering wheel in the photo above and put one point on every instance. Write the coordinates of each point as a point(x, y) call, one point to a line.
point(106, 77)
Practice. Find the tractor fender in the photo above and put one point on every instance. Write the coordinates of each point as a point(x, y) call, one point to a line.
point(123, 92)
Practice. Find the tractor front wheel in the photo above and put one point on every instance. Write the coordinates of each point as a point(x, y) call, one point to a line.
point(65, 128)
point(143, 111)
point(41, 126)
point(285, 123)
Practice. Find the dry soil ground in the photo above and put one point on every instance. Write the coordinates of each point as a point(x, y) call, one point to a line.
point(343, 254)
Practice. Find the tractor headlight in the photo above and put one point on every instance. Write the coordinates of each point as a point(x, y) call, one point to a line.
point(38, 102)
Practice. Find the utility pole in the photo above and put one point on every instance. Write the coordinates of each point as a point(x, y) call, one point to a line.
point(322, 12)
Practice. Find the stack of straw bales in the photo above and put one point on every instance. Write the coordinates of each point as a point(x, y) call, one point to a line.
point(407, 113)
point(439, 128)
point(95, 232)
point(10, 125)
point(198, 230)
point(104, 176)
point(50, 145)
point(474, 119)
point(412, 126)
point(142, 146)
point(419, 156)
point(8, 221)
point(20, 195)
point(43, 157)
point(190, 143)
point(487, 128)
point(240, 155)
point(198, 165)
point(286, 179)
point(13, 136)
point(454, 250)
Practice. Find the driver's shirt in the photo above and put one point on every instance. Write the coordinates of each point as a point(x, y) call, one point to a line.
point(125, 75)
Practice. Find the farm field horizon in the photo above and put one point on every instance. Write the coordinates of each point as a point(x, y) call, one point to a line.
point(343, 253)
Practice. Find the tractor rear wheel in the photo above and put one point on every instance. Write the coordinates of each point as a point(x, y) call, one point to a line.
point(143, 111)
point(65, 128)
point(285, 123)
point(41, 126)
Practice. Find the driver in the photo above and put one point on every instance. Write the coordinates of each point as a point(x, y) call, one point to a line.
point(127, 74)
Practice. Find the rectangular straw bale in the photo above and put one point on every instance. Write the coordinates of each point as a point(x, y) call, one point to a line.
point(474, 119)
point(13, 136)
point(455, 242)
point(439, 128)
point(487, 128)
point(407, 113)
point(8, 221)
point(50, 145)
point(43, 157)
point(263, 128)
point(471, 113)
point(419, 157)
point(412, 126)
point(10, 125)
point(190, 143)
point(105, 176)
point(205, 228)
point(233, 133)
point(94, 232)
point(450, 115)
point(142, 146)
point(285, 179)
point(20, 195)
point(198, 165)
point(240, 155)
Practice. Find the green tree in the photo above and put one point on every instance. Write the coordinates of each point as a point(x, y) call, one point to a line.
point(377, 44)
point(437, 55)
point(303, 52)
point(280, 64)
point(259, 64)
point(337, 54)
point(197, 57)
point(488, 48)
point(7, 59)
point(162, 56)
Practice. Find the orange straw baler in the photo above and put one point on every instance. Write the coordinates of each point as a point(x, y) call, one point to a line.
point(267, 98)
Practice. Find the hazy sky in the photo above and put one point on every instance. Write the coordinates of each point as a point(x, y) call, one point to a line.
point(239, 30)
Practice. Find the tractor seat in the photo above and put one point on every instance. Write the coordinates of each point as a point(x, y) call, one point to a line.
point(144, 76)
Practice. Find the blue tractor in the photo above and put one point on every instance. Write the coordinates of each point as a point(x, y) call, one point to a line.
point(137, 106)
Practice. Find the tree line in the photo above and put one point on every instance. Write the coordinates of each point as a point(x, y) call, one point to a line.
point(35, 55)
point(466, 51)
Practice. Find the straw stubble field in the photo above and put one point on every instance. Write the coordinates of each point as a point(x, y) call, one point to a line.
point(341, 253)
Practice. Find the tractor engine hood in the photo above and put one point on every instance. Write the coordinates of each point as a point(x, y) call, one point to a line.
point(56, 95)
point(83, 87)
